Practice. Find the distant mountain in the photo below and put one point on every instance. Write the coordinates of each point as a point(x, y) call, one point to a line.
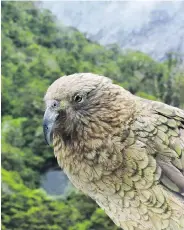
point(155, 28)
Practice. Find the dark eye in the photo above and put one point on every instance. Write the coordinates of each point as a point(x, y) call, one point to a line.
point(78, 98)
point(54, 104)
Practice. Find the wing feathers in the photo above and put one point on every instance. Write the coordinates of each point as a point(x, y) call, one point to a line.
point(171, 176)
point(162, 127)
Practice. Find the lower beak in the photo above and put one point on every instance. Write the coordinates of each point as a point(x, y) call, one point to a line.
point(49, 124)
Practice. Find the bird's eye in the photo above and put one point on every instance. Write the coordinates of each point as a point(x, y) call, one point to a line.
point(78, 98)
point(54, 104)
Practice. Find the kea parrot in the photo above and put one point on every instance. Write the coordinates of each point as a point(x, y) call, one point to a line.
point(125, 152)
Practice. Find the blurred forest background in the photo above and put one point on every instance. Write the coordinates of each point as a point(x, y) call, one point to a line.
point(35, 52)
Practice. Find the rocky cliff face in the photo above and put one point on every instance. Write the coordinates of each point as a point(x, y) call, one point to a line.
point(151, 27)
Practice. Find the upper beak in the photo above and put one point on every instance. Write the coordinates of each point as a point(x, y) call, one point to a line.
point(49, 124)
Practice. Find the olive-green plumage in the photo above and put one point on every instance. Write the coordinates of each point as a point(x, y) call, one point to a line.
point(125, 152)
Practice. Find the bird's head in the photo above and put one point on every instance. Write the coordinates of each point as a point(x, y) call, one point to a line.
point(79, 103)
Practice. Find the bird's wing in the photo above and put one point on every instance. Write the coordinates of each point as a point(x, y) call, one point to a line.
point(162, 129)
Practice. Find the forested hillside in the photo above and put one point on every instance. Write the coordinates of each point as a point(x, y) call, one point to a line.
point(36, 51)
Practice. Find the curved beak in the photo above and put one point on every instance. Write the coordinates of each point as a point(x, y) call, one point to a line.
point(49, 124)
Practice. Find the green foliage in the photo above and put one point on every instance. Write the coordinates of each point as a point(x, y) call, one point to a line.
point(147, 96)
point(24, 208)
point(35, 52)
